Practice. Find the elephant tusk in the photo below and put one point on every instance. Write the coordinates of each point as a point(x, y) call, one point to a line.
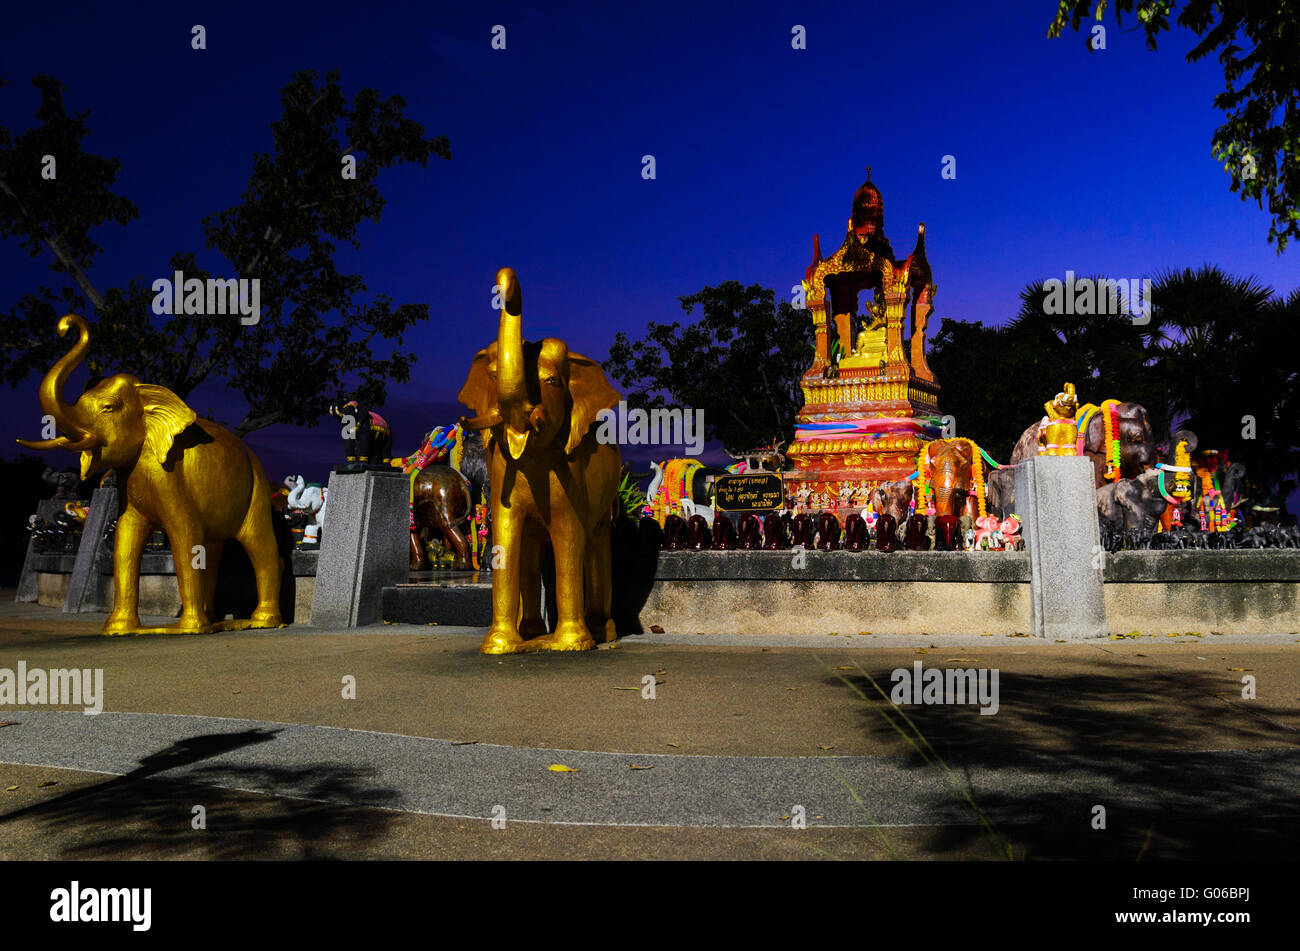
point(486, 421)
point(57, 443)
point(86, 442)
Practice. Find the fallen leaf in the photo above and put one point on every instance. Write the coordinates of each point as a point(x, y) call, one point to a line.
point(1241, 668)
point(922, 650)
point(845, 667)
point(463, 742)
point(1017, 634)
point(960, 660)
point(48, 782)
point(835, 633)
point(986, 635)
point(561, 768)
point(821, 747)
point(656, 629)
point(635, 766)
point(10, 788)
point(784, 818)
point(676, 746)
point(627, 688)
point(864, 634)
point(11, 723)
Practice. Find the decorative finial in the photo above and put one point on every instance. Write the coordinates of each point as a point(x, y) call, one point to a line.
point(868, 173)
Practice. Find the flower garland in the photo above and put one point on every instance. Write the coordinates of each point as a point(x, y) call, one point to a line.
point(1110, 423)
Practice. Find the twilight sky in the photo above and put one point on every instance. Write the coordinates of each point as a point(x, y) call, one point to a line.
point(1066, 160)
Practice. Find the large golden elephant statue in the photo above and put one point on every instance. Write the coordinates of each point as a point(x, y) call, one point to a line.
point(188, 476)
point(549, 477)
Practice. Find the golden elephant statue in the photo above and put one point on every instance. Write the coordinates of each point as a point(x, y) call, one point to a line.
point(550, 478)
point(188, 476)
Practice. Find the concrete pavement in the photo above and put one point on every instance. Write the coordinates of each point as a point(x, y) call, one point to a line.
point(737, 736)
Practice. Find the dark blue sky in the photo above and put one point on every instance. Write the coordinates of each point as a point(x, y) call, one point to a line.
point(1066, 160)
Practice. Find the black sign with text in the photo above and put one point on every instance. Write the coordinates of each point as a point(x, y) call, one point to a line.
point(755, 492)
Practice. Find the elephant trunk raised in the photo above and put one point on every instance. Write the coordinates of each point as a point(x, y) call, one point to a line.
point(51, 393)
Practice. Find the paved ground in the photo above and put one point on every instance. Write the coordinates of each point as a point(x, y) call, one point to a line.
point(741, 741)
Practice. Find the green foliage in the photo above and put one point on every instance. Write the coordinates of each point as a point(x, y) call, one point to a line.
point(741, 363)
point(319, 329)
point(630, 497)
point(1216, 349)
point(1258, 44)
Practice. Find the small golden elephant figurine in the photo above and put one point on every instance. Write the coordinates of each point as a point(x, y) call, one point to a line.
point(550, 478)
point(188, 476)
point(1060, 432)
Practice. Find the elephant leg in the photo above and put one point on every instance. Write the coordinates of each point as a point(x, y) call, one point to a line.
point(569, 539)
point(258, 538)
point(418, 561)
point(456, 540)
point(128, 546)
point(531, 621)
point(503, 636)
point(598, 581)
point(185, 538)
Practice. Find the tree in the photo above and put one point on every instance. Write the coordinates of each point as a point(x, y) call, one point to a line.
point(1217, 357)
point(1259, 144)
point(741, 363)
point(996, 379)
point(1230, 363)
point(283, 233)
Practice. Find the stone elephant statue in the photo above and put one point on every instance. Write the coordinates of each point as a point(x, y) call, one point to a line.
point(367, 437)
point(951, 465)
point(1131, 505)
point(551, 479)
point(188, 476)
point(306, 505)
point(893, 498)
point(1137, 449)
point(442, 502)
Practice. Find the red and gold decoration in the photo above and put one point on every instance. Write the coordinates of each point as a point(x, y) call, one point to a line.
point(1110, 421)
point(870, 399)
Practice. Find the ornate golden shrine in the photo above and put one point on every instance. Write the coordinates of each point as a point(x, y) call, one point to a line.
point(870, 399)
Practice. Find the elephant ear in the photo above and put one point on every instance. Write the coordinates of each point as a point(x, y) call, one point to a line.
point(165, 417)
point(479, 392)
point(591, 393)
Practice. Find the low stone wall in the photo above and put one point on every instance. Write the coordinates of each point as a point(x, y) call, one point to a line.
point(1203, 592)
point(159, 593)
point(763, 592)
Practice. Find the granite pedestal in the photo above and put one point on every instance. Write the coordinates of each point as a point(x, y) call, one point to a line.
point(365, 546)
point(1057, 501)
point(85, 589)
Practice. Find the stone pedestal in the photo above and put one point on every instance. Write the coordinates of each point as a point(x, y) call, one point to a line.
point(365, 546)
point(86, 588)
point(28, 582)
point(1057, 502)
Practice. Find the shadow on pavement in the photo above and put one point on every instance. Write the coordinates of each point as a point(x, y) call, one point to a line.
point(141, 816)
point(1122, 735)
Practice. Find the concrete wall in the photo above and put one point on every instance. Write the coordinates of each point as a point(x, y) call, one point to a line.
point(784, 592)
point(1204, 592)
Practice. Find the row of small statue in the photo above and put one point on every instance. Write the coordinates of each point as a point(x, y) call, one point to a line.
point(1193, 537)
point(823, 532)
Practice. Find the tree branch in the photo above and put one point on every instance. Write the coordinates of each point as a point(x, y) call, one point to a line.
point(56, 247)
